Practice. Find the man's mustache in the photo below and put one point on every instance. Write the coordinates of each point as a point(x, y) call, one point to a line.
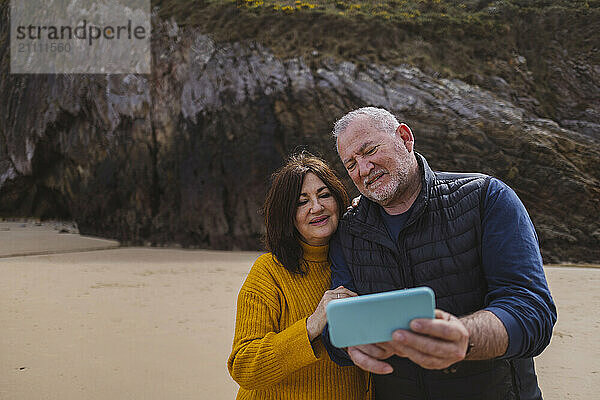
point(374, 175)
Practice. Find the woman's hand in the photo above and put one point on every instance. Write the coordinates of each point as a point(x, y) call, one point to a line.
point(354, 203)
point(316, 322)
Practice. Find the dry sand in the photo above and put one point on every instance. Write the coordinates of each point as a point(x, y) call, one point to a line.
point(140, 323)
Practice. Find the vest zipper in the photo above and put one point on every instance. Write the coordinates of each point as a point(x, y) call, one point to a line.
point(421, 384)
point(403, 261)
point(513, 373)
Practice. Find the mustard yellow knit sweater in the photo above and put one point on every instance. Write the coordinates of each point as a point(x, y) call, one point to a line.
point(272, 357)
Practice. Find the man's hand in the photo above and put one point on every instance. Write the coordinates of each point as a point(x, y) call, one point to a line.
point(369, 356)
point(431, 343)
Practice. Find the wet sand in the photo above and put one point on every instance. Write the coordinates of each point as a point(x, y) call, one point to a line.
point(143, 323)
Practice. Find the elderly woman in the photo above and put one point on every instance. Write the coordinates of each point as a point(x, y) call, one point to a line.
point(277, 350)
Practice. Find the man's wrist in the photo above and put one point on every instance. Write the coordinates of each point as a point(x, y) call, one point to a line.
point(469, 348)
point(487, 335)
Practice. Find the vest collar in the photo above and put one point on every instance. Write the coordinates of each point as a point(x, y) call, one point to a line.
point(422, 199)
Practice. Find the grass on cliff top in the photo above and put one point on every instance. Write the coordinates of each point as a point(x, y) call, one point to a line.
point(308, 23)
point(455, 38)
point(189, 12)
point(473, 17)
point(464, 39)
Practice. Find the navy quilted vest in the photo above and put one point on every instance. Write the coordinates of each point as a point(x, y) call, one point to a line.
point(439, 247)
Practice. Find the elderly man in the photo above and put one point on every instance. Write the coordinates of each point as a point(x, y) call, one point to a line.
point(469, 238)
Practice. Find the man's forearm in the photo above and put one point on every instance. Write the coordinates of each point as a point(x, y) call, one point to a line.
point(487, 335)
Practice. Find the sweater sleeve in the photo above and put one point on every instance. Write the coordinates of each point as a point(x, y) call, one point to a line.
point(261, 355)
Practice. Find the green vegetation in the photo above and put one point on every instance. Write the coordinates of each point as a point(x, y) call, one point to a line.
point(390, 31)
point(399, 11)
point(470, 39)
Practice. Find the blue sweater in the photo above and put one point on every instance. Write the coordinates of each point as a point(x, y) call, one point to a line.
point(517, 294)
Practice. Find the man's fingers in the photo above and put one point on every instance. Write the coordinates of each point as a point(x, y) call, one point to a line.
point(438, 328)
point(433, 343)
point(428, 352)
point(391, 348)
point(406, 340)
point(425, 360)
point(450, 330)
point(375, 350)
point(368, 363)
point(440, 314)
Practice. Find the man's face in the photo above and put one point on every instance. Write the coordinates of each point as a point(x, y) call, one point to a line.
point(378, 163)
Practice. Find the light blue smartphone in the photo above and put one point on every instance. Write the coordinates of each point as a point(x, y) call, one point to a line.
point(372, 318)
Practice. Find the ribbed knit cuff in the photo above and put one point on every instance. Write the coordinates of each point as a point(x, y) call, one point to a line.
point(292, 347)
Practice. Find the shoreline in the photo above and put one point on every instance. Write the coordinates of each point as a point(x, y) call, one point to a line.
point(70, 227)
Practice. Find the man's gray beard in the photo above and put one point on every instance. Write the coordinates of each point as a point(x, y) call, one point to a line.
point(398, 183)
point(387, 194)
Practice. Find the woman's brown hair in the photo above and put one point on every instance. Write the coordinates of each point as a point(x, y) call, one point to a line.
point(281, 237)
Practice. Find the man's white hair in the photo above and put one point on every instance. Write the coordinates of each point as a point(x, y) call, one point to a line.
point(380, 118)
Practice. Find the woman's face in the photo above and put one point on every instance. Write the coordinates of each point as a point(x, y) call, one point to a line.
point(316, 212)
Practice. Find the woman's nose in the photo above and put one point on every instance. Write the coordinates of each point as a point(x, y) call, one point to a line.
point(316, 206)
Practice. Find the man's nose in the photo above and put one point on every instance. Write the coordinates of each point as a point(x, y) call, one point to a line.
point(364, 166)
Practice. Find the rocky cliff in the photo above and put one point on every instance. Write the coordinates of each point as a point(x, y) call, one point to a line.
point(183, 156)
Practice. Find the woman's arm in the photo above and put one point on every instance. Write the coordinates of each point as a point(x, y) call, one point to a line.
point(261, 356)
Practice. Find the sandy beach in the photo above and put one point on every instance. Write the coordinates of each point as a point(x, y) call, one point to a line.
point(82, 318)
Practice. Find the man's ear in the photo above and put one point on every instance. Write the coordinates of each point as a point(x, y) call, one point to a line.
point(404, 133)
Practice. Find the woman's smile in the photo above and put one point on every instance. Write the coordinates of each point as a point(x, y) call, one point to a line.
point(319, 221)
point(317, 212)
